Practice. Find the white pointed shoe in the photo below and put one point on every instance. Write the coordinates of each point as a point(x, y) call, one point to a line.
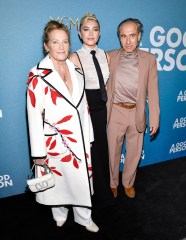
point(60, 223)
point(92, 227)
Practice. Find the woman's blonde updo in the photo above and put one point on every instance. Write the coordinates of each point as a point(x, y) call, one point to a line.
point(88, 16)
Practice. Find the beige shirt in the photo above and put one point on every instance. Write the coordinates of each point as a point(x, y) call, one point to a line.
point(126, 83)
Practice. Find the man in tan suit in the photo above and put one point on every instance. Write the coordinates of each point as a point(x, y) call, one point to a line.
point(133, 82)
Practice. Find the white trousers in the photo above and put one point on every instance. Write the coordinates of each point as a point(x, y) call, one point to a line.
point(81, 215)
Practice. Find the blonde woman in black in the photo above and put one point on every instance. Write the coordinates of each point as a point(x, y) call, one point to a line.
point(89, 33)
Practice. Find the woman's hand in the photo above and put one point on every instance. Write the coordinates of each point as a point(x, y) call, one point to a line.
point(39, 161)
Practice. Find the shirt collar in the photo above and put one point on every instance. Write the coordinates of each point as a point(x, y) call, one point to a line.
point(88, 50)
point(130, 55)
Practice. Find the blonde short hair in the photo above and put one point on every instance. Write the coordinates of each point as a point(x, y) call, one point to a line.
point(86, 17)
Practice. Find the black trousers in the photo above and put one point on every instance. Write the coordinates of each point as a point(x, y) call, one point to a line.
point(103, 196)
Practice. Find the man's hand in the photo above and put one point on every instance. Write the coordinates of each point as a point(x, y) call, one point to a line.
point(153, 130)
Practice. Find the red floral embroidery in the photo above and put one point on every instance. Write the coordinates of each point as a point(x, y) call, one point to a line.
point(54, 96)
point(32, 97)
point(72, 139)
point(75, 163)
point(53, 144)
point(53, 153)
point(34, 82)
point(55, 171)
point(30, 78)
point(90, 168)
point(67, 158)
point(65, 119)
point(46, 71)
point(46, 90)
point(63, 131)
point(48, 141)
point(31, 74)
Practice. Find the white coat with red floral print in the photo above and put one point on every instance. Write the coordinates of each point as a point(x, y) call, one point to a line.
point(60, 129)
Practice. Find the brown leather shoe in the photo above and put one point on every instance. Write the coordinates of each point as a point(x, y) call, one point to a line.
point(115, 192)
point(130, 192)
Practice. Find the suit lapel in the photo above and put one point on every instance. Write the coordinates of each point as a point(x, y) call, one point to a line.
point(141, 69)
point(113, 68)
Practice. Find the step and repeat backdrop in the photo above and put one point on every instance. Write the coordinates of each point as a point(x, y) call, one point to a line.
point(21, 27)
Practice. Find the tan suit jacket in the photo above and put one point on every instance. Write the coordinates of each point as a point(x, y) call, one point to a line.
point(147, 88)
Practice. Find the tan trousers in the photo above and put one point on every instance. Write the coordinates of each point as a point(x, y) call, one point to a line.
point(122, 126)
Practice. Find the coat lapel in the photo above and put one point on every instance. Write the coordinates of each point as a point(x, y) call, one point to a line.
point(53, 79)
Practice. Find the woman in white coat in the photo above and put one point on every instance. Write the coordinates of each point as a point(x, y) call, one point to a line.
point(60, 128)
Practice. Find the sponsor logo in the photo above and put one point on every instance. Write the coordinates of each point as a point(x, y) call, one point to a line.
point(178, 147)
point(67, 21)
point(180, 123)
point(122, 158)
point(181, 96)
point(170, 40)
point(5, 181)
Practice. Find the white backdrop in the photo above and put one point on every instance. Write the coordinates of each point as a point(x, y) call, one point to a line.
point(21, 27)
